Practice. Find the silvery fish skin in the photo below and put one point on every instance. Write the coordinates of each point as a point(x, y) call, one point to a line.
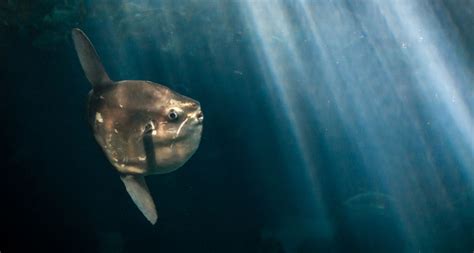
point(143, 127)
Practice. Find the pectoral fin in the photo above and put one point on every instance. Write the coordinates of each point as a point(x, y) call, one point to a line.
point(138, 190)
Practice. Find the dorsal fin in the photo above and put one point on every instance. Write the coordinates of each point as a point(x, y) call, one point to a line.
point(90, 61)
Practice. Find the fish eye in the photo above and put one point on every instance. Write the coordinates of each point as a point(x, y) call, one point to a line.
point(173, 115)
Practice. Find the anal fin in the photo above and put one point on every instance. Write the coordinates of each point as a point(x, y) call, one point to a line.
point(138, 191)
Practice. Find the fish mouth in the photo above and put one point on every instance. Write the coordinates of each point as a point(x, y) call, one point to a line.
point(199, 117)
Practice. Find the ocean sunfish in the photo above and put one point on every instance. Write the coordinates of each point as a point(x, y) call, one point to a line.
point(143, 127)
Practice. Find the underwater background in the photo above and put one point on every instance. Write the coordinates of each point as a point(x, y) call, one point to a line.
point(330, 126)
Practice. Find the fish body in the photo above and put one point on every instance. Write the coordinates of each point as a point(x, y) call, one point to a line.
point(144, 128)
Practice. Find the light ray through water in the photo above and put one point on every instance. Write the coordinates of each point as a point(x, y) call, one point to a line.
point(279, 56)
point(396, 80)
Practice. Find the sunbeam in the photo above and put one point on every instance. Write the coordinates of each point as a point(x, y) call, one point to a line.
point(390, 98)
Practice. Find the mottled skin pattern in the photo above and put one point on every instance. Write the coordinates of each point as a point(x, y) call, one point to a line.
point(124, 114)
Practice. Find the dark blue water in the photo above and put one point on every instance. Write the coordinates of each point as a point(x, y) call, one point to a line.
point(330, 126)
